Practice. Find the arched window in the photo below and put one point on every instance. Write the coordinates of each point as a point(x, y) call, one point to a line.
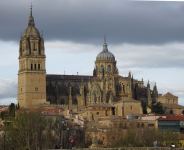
point(102, 66)
point(168, 100)
point(173, 101)
point(75, 102)
point(131, 107)
point(35, 67)
point(142, 125)
point(31, 66)
point(96, 68)
point(109, 67)
point(62, 101)
point(171, 111)
point(38, 66)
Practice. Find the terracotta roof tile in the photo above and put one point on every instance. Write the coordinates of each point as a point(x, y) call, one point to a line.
point(176, 118)
point(169, 95)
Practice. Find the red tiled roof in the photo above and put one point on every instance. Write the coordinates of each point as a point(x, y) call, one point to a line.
point(2, 128)
point(169, 95)
point(179, 115)
point(172, 105)
point(176, 118)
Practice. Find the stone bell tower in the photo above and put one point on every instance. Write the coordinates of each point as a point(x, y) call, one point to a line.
point(32, 73)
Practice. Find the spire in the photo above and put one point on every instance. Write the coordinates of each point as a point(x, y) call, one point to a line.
point(129, 74)
point(31, 10)
point(105, 44)
point(82, 82)
point(148, 85)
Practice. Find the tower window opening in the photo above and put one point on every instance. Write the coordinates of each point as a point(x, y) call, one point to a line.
point(102, 66)
point(35, 66)
point(38, 66)
point(109, 68)
point(34, 49)
point(31, 66)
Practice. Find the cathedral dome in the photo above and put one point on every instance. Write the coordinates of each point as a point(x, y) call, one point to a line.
point(31, 30)
point(105, 53)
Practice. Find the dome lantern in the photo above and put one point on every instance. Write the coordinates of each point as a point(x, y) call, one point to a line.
point(105, 53)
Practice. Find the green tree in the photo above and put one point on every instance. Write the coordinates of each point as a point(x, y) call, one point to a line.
point(11, 110)
point(3, 114)
point(30, 130)
point(144, 108)
point(157, 108)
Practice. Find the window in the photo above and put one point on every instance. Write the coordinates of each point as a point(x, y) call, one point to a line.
point(34, 49)
point(36, 89)
point(96, 68)
point(168, 100)
point(31, 66)
point(38, 66)
point(173, 101)
point(97, 113)
point(171, 111)
point(102, 66)
point(131, 107)
point(35, 66)
point(138, 125)
point(142, 125)
point(109, 67)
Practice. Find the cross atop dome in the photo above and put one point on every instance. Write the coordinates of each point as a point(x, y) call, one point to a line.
point(104, 39)
point(31, 10)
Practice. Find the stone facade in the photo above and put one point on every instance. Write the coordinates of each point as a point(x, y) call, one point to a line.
point(32, 73)
point(105, 87)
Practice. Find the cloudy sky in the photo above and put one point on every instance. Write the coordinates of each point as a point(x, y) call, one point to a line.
point(147, 38)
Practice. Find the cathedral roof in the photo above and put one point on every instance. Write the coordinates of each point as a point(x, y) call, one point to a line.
point(105, 53)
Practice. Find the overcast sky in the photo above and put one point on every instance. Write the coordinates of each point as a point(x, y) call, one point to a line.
point(147, 38)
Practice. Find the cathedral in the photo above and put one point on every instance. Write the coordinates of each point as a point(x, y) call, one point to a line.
point(105, 89)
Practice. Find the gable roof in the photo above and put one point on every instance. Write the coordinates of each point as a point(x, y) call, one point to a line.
point(169, 95)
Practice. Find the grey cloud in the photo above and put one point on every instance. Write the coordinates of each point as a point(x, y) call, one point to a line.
point(8, 88)
point(88, 21)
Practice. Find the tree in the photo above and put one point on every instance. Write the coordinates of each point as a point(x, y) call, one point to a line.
point(3, 114)
point(30, 130)
point(12, 110)
point(157, 108)
point(144, 108)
